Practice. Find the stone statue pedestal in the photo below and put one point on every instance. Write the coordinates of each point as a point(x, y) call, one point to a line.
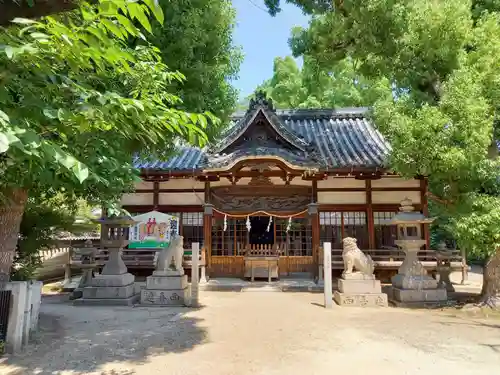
point(416, 290)
point(412, 287)
point(118, 290)
point(166, 288)
point(358, 289)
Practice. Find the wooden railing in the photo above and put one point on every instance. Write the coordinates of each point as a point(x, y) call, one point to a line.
point(262, 250)
point(138, 258)
point(392, 258)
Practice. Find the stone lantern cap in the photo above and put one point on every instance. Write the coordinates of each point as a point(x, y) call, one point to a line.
point(408, 216)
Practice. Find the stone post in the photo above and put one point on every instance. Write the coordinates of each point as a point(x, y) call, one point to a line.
point(203, 277)
point(195, 274)
point(327, 267)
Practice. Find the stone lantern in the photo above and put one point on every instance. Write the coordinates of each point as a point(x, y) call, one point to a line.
point(88, 263)
point(114, 286)
point(412, 285)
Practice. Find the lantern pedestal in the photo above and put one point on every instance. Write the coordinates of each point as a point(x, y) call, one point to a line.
point(114, 286)
point(412, 287)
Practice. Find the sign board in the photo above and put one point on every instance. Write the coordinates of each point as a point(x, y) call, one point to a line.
point(154, 230)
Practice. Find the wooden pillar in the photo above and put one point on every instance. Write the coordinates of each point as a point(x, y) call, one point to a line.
point(425, 210)
point(207, 234)
point(369, 215)
point(312, 209)
point(156, 195)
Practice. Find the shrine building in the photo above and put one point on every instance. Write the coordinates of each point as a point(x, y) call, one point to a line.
point(282, 182)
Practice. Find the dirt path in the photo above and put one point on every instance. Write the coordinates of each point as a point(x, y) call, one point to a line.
point(257, 333)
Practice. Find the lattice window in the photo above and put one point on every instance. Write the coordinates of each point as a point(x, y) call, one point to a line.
point(192, 228)
point(385, 234)
point(240, 236)
point(356, 225)
point(330, 228)
point(298, 240)
point(233, 240)
point(334, 226)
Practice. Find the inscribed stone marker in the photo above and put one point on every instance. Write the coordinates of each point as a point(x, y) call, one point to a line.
point(195, 273)
point(327, 267)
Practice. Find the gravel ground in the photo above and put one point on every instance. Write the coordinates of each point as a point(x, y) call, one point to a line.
point(257, 333)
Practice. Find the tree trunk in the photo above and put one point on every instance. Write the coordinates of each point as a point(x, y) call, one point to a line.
point(490, 294)
point(11, 214)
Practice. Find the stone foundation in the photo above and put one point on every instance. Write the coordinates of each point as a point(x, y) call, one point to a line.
point(166, 288)
point(360, 290)
point(111, 290)
point(361, 300)
point(417, 291)
point(413, 282)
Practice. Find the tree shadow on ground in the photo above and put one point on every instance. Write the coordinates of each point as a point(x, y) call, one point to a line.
point(470, 321)
point(494, 347)
point(105, 335)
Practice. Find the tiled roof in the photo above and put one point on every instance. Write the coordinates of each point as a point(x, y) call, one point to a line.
point(338, 138)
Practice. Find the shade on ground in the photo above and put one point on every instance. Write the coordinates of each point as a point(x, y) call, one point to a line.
point(258, 334)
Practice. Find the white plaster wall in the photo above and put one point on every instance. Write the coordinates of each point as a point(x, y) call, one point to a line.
point(395, 182)
point(390, 197)
point(134, 199)
point(190, 199)
point(143, 185)
point(182, 183)
point(341, 183)
point(341, 197)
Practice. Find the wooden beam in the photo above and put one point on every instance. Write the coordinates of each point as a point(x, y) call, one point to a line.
point(207, 236)
point(207, 192)
point(315, 241)
point(425, 210)
point(156, 194)
point(360, 172)
point(163, 208)
point(405, 188)
point(362, 207)
point(369, 215)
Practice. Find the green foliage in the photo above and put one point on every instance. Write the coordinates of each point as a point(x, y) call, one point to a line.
point(196, 39)
point(77, 102)
point(42, 221)
point(311, 87)
point(443, 61)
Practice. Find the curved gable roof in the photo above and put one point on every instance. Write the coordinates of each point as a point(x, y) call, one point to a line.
point(326, 138)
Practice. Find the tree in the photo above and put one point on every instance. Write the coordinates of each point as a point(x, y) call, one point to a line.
point(442, 58)
point(196, 39)
point(77, 104)
point(42, 220)
point(310, 87)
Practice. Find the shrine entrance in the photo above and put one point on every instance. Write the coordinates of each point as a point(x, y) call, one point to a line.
point(262, 231)
point(289, 239)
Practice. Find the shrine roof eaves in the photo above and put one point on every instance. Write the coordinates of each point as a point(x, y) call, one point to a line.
point(341, 138)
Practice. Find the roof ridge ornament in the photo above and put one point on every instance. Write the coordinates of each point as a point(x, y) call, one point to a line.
point(261, 100)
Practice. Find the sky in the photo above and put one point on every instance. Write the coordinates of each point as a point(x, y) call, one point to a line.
point(262, 38)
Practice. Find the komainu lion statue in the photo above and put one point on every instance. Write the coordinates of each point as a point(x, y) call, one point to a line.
point(354, 258)
point(170, 258)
